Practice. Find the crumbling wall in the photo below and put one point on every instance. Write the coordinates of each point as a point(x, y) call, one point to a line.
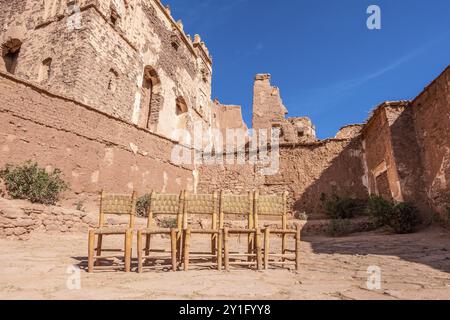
point(268, 108)
point(431, 116)
point(407, 156)
point(102, 61)
point(229, 178)
point(304, 129)
point(309, 172)
point(312, 173)
point(94, 150)
point(381, 167)
point(18, 219)
point(227, 116)
point(350, 131)
point(269, 112)
point(393, 155)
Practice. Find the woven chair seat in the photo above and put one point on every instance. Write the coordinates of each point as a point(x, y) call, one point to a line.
point(111, 230)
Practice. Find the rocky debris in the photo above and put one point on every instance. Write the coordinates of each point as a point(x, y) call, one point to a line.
point(19, 218)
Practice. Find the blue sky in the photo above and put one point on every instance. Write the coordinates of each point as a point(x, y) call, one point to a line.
point(327, 63)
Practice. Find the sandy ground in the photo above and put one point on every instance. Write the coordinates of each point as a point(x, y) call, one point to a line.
point(412, 267)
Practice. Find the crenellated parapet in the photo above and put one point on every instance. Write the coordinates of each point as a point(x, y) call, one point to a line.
point(196, 46)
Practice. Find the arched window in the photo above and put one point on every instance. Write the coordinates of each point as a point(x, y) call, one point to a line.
point(181, 106)
point(45, 70)
point(146, 100)
point(182, 121)
point(182, 113)
point(151, 99)
point(10, 54)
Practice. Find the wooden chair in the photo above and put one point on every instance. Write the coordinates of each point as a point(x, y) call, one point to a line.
point(203, 205)
point(112, 204)
point(241, 205)
point(275, 206)
point(166, 205)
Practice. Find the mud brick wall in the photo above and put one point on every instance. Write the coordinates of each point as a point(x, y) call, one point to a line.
point(269, 111)
point(102, 63)
point(382, 173)
point(431, 114)
point(313, 171)
point(93, 150)
point(236, 178)
point(308, 172)
point(407, 157)
point(18, 219)
point(392, 155)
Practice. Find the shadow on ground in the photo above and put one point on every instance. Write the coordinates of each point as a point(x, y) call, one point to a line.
point(429, 247)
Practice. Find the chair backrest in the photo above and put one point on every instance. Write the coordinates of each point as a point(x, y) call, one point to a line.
point(201, 204)
point(117, 204)
point(241, 205)
point(168, 205)
point(270, 206)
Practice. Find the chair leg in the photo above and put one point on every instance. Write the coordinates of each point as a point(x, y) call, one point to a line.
point(258, 250)
point(214, 246)
point(226, 250)
point(251, 246)
point(219, 250)
point(266, 248)
point(283, 246)
point(187, 240)
point(99, 248)
point(297, 248)
point(173, 244)
point(180, 240)
point(99, 245)
point(91, 250)
point(147, 245)
point(128, 242)
point(139, 251)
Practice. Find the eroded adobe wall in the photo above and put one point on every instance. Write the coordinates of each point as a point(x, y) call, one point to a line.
point(94, 151)
point(309, 172)
point(42, 35)
point(314, 172)
point(431, 115)
point(102, 63)
point(268, 108)
point(381, 167)
point(235, 179)
point(269, 112)
point(406, 153)
point(228, 119)
point(145, 35)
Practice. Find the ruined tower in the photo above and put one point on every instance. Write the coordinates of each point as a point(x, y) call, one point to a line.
point(269, 112)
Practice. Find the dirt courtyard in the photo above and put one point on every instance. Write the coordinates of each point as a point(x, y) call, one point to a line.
point(412, 267)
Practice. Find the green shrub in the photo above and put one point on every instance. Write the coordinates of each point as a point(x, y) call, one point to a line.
point(379, 209)
point(142, 206)
point(339, 227)
point(344, 208)
point(405, 218)
point(33, 183)
point(402, 217)
point(168, 223)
